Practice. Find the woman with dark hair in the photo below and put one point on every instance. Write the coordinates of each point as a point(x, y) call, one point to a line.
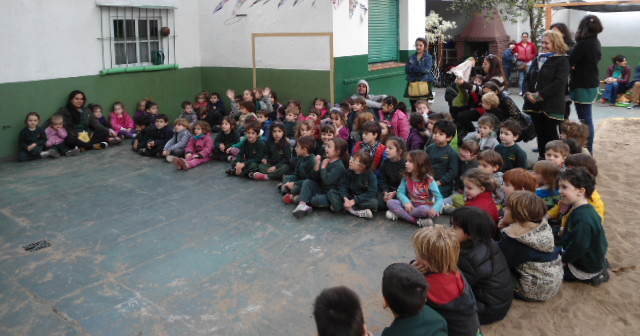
point(545, 87)
point(617, 80)
point(492, 66)
point(585, 78)
point(568, 40)
point(419, 68)
point(78, 118)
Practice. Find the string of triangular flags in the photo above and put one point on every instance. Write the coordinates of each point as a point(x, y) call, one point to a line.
point(353, 5)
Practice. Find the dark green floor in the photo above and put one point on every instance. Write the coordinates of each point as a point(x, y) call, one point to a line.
point(139, 248)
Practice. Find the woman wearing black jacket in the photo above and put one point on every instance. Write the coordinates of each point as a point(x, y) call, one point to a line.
point(545, 87)
point(78, 118)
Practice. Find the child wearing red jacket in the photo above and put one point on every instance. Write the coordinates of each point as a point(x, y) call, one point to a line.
point(478, 190)
point(371, 143)
point(199, 148)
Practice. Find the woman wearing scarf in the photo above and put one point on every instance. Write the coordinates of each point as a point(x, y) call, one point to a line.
point(618, 77)
point(545, 87)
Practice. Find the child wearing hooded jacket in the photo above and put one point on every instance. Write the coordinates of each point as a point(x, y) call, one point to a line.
point(393, 113)
point(176, 145)
point(199, 149)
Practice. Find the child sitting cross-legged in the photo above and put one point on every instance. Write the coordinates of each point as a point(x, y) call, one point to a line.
point(485, 136)
point(404, 290)
point(251, 152)
point(143, 133)
point(444, 159)
point(328, 172)
point(302, 171)
point(158, 137)
point(340, 122)
point(527, 244)
point(121, 121)
point(337, 311)
point(584, 243)
point(56, 134)
point(32, 140)
point(478, 191)
point(419, 198)
point(437, 253)
point(277, 155)
point(371, 143)
point(226, 138)
point(327, 132)
point(490, 162)
point(512, 155)
point(469, 151)
point(547, 174)
point(517, 179)
point(188, 112)
point(577, 132)
point(391, 171)
point(199, 148)
point(175, 147)
point(417, 137)
point(357, 191)
point(482, 263)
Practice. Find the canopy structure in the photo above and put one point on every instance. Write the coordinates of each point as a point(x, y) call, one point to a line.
point(594, 6)
point(155, 4)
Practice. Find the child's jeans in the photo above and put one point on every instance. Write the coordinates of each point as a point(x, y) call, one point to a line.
point(421, 211)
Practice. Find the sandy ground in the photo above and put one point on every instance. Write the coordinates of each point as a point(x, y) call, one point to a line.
point(614, 307)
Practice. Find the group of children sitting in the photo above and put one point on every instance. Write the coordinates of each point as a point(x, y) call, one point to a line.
point(515, 233)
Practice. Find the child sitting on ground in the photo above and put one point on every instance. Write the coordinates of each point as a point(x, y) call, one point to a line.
point(188, 113)
point(202, 99)
point(32, 140)
point(226, 138)
point(391, 171)
point(321, 105)
point(577, 132)
point(419, 199)
point(175, 147)
point(483, 264)
point(357, 191)
point(527, 244)
point(359, 106)
point(584, 244)
point(303, 169)
point(356, 134)
point(404, 291)
point(143, 132)
point(263, 118)
point(337, 311)
point(102, 124)
point(371, 143)
point(490, 162)
point(121, 121)
point(478, 189)
point(443, 157)
point(512, 155)
point(547, 175)
point(423, 109)
point(416, 139)
point(469, 151)
point(340, 123)
point(437, 253)
point(217, 109)
point(386, 131)
point(393, 112)
point(328, 173)
point(141, 110)
point(251, 152)
point(327, 132)
point(56, 133)
point(290, 125)
point(277, 156)
point(199, 148)
point(556, 151)
point(518, 179)
point(485, 136)
point(158, 137)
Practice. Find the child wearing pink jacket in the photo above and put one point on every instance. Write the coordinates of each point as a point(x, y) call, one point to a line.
point(56, 133)
point(199, 148)
point(121, 121)
point(392, 112)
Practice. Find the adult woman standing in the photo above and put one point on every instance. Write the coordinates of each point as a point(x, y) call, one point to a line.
point(545, 86)
point(584, 81)
point(568, 40)
point(419, 69)
point(492, 66)
point(78, 118)
point(617, 80)
point(525, 53)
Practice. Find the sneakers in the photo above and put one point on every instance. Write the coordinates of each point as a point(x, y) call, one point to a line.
point(181, 163)
point(599, 279)
point(170, 158)
point(259, 176)
point(73, 152)
point(302, 210)
point(390, 215)
point(366, 213)
point(287, 199)
point(44, 154)
point(423, 222)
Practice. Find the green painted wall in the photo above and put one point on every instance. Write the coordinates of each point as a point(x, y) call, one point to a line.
point(168, 88)
point(631, 53)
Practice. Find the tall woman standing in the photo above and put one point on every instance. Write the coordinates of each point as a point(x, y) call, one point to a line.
point(419, 69)
point(585, 78)
point(545, 85)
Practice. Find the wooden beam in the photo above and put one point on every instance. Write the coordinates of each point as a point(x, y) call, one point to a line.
point(598, 3)
point(549, 16)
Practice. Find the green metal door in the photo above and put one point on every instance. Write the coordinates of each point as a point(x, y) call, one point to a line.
point(383, 30)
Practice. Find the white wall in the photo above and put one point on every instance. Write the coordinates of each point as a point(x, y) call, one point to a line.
point(619, 28)
point(225, 41)
point(412, 22)
point(59, 39)
point(350, 35)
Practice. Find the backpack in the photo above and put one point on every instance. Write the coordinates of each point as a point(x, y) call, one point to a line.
point(157, 57)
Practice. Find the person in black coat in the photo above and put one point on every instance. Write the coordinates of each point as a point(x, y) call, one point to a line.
point(545, 87)
point(483, 264)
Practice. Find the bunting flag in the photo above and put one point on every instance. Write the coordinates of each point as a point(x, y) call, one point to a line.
point(254, 3)
point(239, 4)
point(296, 2)
point(219, 6)
point(363, 12)
point(352, 7)
point(266, 2)
point(337, 3)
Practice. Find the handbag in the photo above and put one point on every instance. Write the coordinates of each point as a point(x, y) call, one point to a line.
point(84, 136)
point(418, 89)
point(521, 66)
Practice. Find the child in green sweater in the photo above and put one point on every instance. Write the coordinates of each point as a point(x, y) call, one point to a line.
point(444, 159)
point(512, 155)
point(278, 154)
point(357, 192)
point(250, 154)
point(304, 166)
point(584, 244)
point(32, 139)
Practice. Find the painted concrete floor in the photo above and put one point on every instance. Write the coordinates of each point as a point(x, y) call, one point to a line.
point(139, 248)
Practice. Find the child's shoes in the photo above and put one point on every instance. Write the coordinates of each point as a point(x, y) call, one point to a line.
point(181, 163)
point(287, 199)
point(302, 210)
point(424, 222)
point(366, 213)
point(73, 152)
point(259, 176)
point(170, 158)
point(390, 215)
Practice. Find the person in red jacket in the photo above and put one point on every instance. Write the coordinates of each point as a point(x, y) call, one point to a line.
point(478, 191)
point(525, 52)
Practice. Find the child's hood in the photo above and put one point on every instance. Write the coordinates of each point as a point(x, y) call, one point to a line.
point(537, 236)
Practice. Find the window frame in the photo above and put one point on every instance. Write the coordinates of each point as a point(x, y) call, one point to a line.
point(396, 57)
point(137, 40)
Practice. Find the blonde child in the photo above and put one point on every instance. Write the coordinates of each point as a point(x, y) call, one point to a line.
point(56, 134)
point(340, 123)
point(32, 140)
point(485, 136)
point(175, 147)
point(277, 155)
point(99, 123)
point(419, 199)
point(357, 191)
point(121, 121)
point(547, 175)
point(328, 174)
point(391, 171)
point(556, 151)
point(437, 254)
point(528, 246)
point(478, 191)
point(199, 149)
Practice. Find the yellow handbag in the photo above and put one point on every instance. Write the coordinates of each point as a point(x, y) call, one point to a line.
point(84, 136)
point(418, 89)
